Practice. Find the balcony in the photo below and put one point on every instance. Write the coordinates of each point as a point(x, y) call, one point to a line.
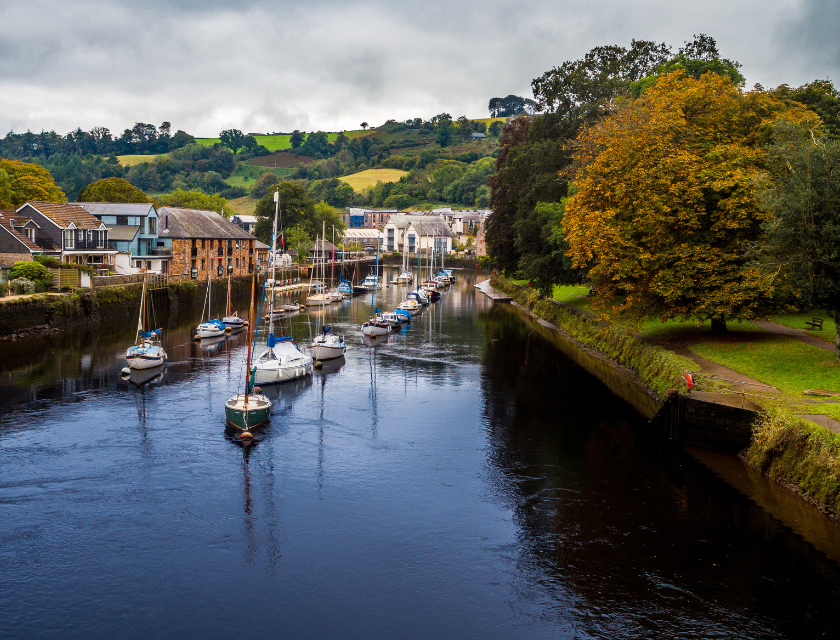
point(160, 251)
point(85, 245)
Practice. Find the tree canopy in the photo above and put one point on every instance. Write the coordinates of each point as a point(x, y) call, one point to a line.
point(665, 199)
point(112, 190)
point(196, 199)
point(23, 181)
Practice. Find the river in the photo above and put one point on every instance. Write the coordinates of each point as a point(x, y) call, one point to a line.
point(462, 479)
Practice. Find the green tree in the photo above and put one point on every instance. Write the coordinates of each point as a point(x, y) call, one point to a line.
point(297, 138)
point(445, 133)
point(364, 125)
point(324, 213)
point(819, 96)
point(495, 128)
point(298, 239)
point(233, 139)
point(295, 208)
point(112, 190)
point(800, 246)
point(196, 199)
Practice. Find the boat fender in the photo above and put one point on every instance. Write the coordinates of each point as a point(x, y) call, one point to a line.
point(196, 337)
point(227, 331)
point(257, 390)
point(689, 382)
point(126, 371)
point(246, 435)
point(318, 364)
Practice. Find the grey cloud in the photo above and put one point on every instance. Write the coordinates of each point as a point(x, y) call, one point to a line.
point(267, 65)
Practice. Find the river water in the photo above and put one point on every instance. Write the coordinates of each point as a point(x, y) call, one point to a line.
point(462, 479)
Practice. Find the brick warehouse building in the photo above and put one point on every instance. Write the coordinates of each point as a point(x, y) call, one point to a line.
point(205, 242)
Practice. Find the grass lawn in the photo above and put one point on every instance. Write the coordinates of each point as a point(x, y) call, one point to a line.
point(131, 160)
point(798, 320)
point(572, 294)
point(368, 178)
point(244, 206)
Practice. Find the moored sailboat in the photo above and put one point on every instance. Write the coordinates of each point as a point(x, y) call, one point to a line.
point(147, 351)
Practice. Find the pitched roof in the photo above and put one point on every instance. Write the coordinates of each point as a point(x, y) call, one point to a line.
point(63, 214)
point(245, 218)
point(123, 232)
point(6, 224)
point(193, 223)
point(118, 208)
point(261, 245)
point(424, 225)
point(326, 244)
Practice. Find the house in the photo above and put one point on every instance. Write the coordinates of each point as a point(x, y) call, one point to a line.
point(357, 218)
point(67, 231)
point(246, 223)
point(414, 233)
point(205, 243)
point(365, 237)
point(261, 250)
point(477, 136)
point(17, 239)
point(134, 234)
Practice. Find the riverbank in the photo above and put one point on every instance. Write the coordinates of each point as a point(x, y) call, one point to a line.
point(792, 450)
point(25, 316)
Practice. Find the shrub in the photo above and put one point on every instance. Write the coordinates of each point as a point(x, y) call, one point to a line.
point(30, 270)
point(47, 261)
point(22, 286)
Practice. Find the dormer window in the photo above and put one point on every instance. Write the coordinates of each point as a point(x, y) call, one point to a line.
point(29, 233)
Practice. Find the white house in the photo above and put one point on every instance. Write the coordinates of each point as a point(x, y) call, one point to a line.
point(417, 233)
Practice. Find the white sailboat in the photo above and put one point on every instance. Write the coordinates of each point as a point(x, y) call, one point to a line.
point(328, 345)
point(321, 297)
point(147, 351)
point(405, 277)
point(209, 328)
point(375, 326)
point(232, 318)
point(281, 360)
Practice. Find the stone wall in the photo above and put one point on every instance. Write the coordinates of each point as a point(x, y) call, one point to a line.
point(109, 281)
point(207, 257)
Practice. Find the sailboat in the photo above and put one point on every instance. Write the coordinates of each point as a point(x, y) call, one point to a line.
point(147, 351)
point(282, 360)
point(321, 297)
point(232, 319)
point(375, 326)
point(328, 345)
point(247, 410)
point(405, 277)
point(209, 328)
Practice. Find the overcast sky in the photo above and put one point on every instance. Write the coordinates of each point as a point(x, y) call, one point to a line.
point(256, 65)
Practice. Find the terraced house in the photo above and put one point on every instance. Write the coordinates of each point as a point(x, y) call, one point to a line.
point(66, 231)
point(204, 242)
point(134, 234)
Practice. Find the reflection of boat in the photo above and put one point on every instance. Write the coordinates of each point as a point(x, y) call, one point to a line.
point(147, 351)
point(212, 344)
point(291, 306)
point(328, 345)
point(139, 377)
point(331, 366)
point(374, 341)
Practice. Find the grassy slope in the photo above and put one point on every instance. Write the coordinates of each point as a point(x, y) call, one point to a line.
point(133, 159)
point(282, 141)
point(243, 206)
point(368, 178)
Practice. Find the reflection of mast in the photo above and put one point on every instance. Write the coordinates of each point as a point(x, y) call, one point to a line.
point(375, 422)
point(248, 519)
point(321, 440)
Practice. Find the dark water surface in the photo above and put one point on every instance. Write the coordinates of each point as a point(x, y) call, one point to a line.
point(463, 480)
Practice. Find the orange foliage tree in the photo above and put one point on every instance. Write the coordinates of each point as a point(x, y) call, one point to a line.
point(665, 200)
point(23, 181)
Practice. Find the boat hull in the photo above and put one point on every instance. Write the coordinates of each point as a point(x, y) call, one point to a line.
point(274, 372)
point(375, 330)
point(326, 352)
point(139, 360)
point(257, 412)
point(209, 331)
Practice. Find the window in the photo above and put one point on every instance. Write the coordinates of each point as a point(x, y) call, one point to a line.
point(152, 226)
point(202, 264)
point(202, 243)
point(30, 233)
point(138, 264)
point(122, 219)
point(100, 242)
point(70, 239)
point(237, 263)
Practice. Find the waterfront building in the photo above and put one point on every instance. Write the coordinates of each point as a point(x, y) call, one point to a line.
point(205, 242)
point(415, 233)
point(357, 218)
point(246, 223)
point(134, 234)
point(366, 237)
point(66, 231)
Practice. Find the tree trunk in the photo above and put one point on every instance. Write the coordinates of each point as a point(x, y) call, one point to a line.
point(837, 332)
point(719, 325)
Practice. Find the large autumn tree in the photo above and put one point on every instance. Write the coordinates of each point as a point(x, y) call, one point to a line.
point(666, 200)
point(112, 190)
point(23, 181)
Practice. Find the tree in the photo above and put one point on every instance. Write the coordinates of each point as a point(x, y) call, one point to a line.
point(297, 138)
point(25, 181)
point(112, 190)
point(819, 96)
point(298, 239)
point(233, 139)
point(196, 199)
point(295, 207)
point(800, 246)
point(496, 128)
point(445, 133)
point(180, 139)
point(327, 217)
point(666, 201)
point(364, 126)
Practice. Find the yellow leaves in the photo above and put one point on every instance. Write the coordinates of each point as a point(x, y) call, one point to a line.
point(30, 182)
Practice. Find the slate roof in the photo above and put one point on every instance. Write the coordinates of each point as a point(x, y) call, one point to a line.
point(118, 208)
point(123, 232)
point(261, 245)
point(424, 225)
point(248, 219)
point(6, 223)
point(193, 223)
point(63, 214)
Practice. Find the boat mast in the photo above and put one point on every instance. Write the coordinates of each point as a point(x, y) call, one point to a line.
point(142, 305)
point(228, 296)
point(250, 324)
point(332, 264)
point(375, 272)
point(273, 263)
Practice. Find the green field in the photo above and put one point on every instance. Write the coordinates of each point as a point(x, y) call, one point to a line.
point(282, 141)
point(131, 160)
point(368, 178)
